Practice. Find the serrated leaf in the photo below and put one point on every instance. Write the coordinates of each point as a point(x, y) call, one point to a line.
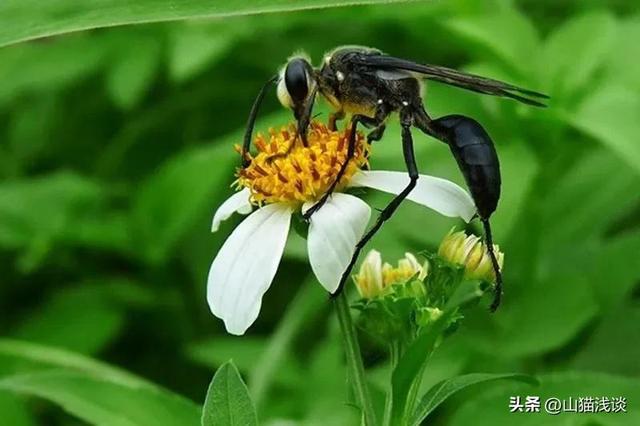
point(446, 388)
point(228, 402)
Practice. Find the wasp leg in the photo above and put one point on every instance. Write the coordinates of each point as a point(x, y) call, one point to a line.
point(334, 117)
point(410, 161)
point(374, 135)
point(351, 148)
point(251, 121)
point(275, 156)
point(377, 133)
point(497, 297)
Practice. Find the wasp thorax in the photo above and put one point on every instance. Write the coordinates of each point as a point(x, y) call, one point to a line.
point(284, 170)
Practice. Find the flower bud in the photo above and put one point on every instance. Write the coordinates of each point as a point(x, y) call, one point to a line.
point(470, 252)
point(375, 279)
point(427, 315)
point(369, 278)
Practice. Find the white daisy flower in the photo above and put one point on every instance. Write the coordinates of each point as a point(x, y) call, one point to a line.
point(280, 186)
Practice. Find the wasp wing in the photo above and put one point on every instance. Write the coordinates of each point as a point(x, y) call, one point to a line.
point(453, 77)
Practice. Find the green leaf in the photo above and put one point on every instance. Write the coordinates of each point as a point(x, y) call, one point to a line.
point(527, 325)
point(40, 68)
point(14, 410)
point(132, 70)
point(76, 214)
point(189, 185)
point(608, 268)
point(610, 115)
point(608, 349)
point(275, 361)
point(412, 362)
point(507, 34)
point(29, 19)
point(588, 38)
point(519, 167)
point(446, 388)
point(79, 319)
point(74, 206)
point(104, 402)
point(46, 356)
point(572, 210)
point(624, 68)
point(194, 46)
point(169, 202)
point(228, 402)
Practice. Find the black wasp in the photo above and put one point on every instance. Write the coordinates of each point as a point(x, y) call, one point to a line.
point(368, 86)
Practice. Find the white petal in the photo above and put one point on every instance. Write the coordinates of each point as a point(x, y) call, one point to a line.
point(238, 202)
point(441, 195)
point(245, 266)
point(334, 231)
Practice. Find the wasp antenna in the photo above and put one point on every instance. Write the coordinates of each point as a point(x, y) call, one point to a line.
point(253, 114)
point(494, 261)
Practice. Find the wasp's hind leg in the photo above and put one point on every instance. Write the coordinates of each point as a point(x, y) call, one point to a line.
point(406, 120)
point(381, 115)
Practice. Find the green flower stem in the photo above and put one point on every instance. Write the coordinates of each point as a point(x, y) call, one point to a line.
point(352, 349)
point(413, 391)
point(394, 357)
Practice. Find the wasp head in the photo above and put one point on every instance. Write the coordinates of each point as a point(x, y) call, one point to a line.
point(297, 89)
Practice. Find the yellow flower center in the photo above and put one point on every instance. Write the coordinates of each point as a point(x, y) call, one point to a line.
point(284, 170)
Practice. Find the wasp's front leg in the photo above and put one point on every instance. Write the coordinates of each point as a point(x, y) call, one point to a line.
point(381, 114)
point(334, 117)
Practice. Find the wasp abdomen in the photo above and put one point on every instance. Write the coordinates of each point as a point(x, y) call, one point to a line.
point(476, 156)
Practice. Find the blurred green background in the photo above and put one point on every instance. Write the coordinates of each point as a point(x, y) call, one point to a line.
point(116, 146)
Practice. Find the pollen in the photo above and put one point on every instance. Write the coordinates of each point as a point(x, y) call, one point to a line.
point(285, 170)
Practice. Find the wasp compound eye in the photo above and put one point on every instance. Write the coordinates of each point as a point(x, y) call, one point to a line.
point(295, 79)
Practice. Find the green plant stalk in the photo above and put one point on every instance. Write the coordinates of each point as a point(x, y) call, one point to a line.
point(395, 352)
point(352, 350)
point(413, 392)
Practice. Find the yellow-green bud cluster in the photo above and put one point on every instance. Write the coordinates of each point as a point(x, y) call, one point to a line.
point(375, 278)
point(470, 252)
